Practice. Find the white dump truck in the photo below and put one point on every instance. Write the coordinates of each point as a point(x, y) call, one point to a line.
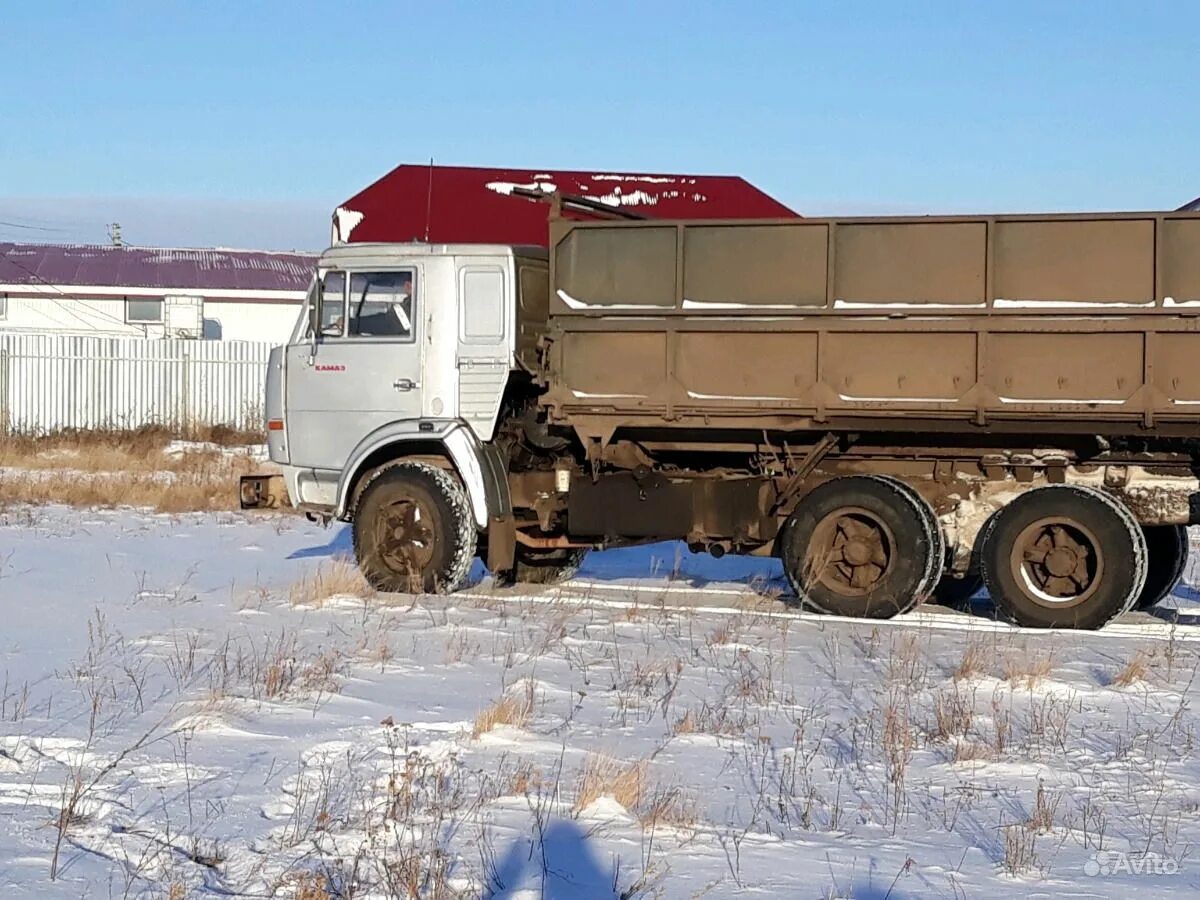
point(896, 407)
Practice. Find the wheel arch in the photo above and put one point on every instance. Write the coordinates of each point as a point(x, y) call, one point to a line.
point(478, 466)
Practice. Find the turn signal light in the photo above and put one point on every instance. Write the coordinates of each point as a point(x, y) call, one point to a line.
point(275, 425)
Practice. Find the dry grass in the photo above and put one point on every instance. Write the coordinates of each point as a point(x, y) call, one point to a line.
point(514, 709)
point(685, 725)
point(336, 578)
point(127, 469)
point(1020, 850)
point(970, 751)
point(603, 776)
point(976, 660)
point(722, 634)
point(953, 714)
point(526, 778)
point(1045, 806)
point(672, 807)
point(1027, 667)
point(1134, 671)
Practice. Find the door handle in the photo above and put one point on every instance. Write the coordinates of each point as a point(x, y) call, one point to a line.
point(405, 384)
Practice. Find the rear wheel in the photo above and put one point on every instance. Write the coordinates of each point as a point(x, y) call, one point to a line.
point(413, 530)
point(1168, 555)
point(861, 546)
point(1063, 556)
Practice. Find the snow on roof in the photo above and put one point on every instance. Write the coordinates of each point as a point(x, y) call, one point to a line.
point(459, 204)
point(154, 267)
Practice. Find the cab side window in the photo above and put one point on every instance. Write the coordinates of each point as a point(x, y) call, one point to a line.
point(382, 304)
point(332, 306)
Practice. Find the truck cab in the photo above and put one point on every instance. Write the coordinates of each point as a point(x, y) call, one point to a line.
point(397, 343)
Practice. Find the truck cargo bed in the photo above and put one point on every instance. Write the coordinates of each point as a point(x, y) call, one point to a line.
point(1055, 322)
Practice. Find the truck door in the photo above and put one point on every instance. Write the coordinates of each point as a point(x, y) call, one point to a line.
point(362, 369)
point(483, 358)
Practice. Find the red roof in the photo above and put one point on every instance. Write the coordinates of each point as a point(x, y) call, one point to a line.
point(453, 204)
point(154, 267)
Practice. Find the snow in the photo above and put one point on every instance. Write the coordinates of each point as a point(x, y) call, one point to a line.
point(226, 740)
point(853, 399)
point(254, 451)
point(345, 221)
point(902, 304)
point(576, 303)
point(723, 304)
point(695, 395)
point(586, 395)
point(1003, 303)
point(1051, 400)
point(642, 179)
point(507, 187)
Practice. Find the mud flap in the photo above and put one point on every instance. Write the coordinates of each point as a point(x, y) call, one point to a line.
point(501, 543)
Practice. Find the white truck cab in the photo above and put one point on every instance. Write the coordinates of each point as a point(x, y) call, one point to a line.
point(397, 343)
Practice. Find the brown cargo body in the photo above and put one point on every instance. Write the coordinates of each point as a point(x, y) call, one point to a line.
point(1039, 323)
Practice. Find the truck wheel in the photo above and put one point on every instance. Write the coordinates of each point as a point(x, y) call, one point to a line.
point(1063, 556)
point(544, 567)
point(413, 530)
point(861, 546)
point(1168, 555)
point(933, 526)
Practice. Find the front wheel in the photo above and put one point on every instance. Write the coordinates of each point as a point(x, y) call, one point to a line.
point(413, 531)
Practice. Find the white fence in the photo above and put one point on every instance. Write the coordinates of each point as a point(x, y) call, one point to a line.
point(50, 382)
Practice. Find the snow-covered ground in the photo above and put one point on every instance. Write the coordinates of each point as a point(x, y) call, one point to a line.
point(173, 722)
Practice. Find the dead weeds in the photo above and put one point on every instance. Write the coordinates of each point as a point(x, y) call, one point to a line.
point(514, 709)
point(335, 578)
point(603, 776)
point(147, 468)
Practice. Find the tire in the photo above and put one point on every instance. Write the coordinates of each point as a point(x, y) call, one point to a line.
point(545, 567)
point(887, 555)
point(1168, 555)
point(939, 556)
point(1063, 556)
point(413, 530)
point(956, 593)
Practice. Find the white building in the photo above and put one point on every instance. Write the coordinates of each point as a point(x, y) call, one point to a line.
point(152, 292)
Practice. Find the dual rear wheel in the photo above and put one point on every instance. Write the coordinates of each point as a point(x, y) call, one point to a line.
point(864, 546)
point(1059, 556)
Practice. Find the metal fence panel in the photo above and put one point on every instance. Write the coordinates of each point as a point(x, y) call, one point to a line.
point(51, 382)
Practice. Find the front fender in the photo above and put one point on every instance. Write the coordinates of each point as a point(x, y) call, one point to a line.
point(478, 465)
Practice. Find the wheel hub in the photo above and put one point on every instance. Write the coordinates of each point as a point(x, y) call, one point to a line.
point(851, 552)
point(407, 536)
point(1061, 562)
point(1057, 561)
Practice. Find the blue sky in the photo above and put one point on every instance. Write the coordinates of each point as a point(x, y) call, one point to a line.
point(246, 123)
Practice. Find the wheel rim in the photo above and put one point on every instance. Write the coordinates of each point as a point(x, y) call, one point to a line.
point(1057, 561)
point(405, 535)
point(851, 552)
